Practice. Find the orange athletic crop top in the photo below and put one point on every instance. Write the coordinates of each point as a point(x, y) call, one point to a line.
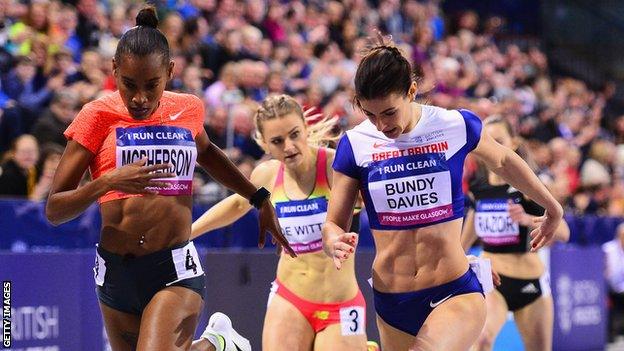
point(106, 129)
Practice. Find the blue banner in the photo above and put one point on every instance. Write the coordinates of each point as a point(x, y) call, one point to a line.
point(578, 288)
point(23, 227)
point(52, 300)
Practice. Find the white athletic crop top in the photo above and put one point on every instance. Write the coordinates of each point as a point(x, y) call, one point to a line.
point(415, 180)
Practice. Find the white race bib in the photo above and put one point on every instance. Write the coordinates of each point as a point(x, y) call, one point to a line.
point(99, 269)
point(301, 222)
point(493, 223)
point(411, 190)
point(352, 320)
point(186, 262)
point(160, 145)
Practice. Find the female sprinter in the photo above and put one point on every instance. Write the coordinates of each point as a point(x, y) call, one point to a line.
point(407, 160)
point(311, 307)
point(141, 145)
point(502, 218)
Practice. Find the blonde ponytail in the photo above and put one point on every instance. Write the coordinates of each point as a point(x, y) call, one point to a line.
point(323, 133)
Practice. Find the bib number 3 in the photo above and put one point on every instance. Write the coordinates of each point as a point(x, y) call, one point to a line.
point(352, 320)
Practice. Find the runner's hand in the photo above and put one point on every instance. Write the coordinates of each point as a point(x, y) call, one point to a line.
point(309, 115)
point(268, 222)
point(495, 277)
point(340, 247)
point(544, 234)
point(136, 178)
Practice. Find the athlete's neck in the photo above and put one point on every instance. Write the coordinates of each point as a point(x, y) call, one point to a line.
point(306, 168)
point(415, 111)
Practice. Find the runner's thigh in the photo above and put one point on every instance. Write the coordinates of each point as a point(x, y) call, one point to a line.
point(170, 319)
point(535, 323)
point(496, 317)
point(393, 339)
point(122, 328)
point(285, 328)
point(453, 325)
point(332, 338)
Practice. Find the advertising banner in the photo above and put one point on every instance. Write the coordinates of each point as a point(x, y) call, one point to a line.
point(578, 289)
point(52, 302)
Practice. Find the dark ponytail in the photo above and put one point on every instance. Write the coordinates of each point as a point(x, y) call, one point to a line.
point(144, 39)
point(382, 71)
point(147, 17)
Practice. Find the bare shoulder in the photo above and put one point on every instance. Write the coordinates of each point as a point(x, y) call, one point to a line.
point(264, 174)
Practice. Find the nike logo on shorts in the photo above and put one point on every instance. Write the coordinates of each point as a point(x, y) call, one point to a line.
point(435, 304)
point(175, 116)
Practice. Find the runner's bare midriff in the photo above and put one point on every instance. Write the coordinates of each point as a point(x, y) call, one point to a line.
point(517, 265)
point(164, 221)
point(314, 277)
point(415, 259)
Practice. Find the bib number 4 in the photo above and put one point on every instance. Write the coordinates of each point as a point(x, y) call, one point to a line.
point(352, 320)
point(190, 262)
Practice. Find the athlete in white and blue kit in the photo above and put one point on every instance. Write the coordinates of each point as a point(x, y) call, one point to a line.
point(407, 160)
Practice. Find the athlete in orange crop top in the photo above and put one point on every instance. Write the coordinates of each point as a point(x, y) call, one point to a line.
point(141, 145)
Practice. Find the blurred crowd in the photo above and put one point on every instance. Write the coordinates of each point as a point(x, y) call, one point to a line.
point(56, 55)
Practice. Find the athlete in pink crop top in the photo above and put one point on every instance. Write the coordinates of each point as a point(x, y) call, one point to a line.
point(311, 305)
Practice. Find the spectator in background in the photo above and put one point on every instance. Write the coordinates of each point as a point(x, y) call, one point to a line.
point(613, 108)
point(28, 88)
point(192, 82)
point(50, 127)
point(90, 71)
point(62, 64)
point(34, 23)
point(226, 49)
point(325, 69)
point(614, 255)
point(251, 38)
point(181, 62)
point(313, 99)
point(252, 79)
point(298, 64)
point(275, 83)
point(215, 125)
point(594, 194)
point(217, 94)
point(18, 174)
point(117, 25)
point(273, 24)
point(173, 28)
point(242, 118)
point(46, 167)
point(88, 27)
point(69, 39)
